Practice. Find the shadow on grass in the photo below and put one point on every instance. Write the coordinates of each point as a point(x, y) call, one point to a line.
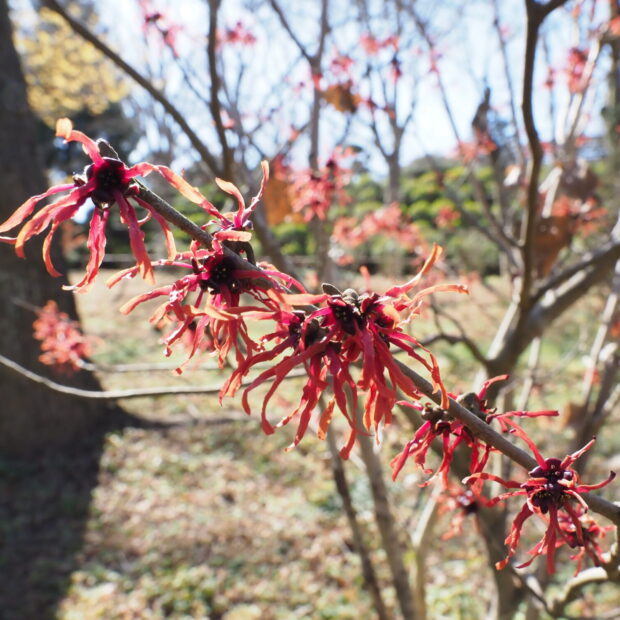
point(44, 509)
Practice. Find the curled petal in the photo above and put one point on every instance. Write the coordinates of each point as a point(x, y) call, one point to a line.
point(325, 419)
point(488, 383)
point(189, 191)
point(64, 129)
point(130, 305)
point(168, 236)
point(265, 168)
point(397, 291)
point(26, 209)
point(136, 238)
point(47, 214)
point(515, 534)
point(584, 488)
point(59, 215)
point(47, 246)
point(483, 475)
point(229, 188)
point(96, 244)
point(517, 430)
point(233, 235)
point(571, 458)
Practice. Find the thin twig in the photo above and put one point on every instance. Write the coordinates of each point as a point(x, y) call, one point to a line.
point(572, 589)
point(214, 102)
point(92, 38)
point(509, 82)
point(20, 371)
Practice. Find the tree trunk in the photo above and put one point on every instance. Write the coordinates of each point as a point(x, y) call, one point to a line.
point(31, 418)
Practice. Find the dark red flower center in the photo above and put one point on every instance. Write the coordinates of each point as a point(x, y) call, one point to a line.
point(347, 315)
point(467, 503)
point(312, 332)
point(109, 177)
point(295, 327)
point(220, 275)
point(551, 492)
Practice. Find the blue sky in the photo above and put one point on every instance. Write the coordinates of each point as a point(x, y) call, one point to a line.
point(467, 41)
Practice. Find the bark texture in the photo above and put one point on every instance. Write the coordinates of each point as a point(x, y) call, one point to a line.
point(31, 418)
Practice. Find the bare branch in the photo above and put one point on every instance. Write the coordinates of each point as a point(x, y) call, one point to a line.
point(214, 103)
point(421, 540)
point(387, 527)
point(302, 48)
point(20, 371)
point(572, 590)
point(602, 258)
point(462, 338)
point(342, 486)
point(89, 36)
point(536, 13)
point(511, 90)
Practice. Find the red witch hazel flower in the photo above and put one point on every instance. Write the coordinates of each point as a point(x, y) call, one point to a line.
point(234, 229)
point(460, 504)
point(62, 342)
point(107, 182)
point(347, 329)
point(551, 491)
point(439, 423)
point(316, 192)
point(591, 533)
point(215, 318)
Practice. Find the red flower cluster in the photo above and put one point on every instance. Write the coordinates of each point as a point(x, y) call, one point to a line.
point(388, 220)
point(235, 227)
point(158, 21)
point(62, 342)
point(315, 192)
point(107, 182)
point(550, 491)
point(345, 341)
point(439, 424)
point(215, 317)
point(591, 534)
point(575, 66)
point(347, 329)
point(460, 504)
point(238, 34)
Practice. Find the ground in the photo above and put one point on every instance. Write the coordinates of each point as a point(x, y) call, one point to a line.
point(187, 510)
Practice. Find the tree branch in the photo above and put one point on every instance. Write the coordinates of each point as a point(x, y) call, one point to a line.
point(572, 590)
point(20, 371)
point(89, 36)
point(342, 486)
point(214, 103)
point(387, 527)
point(302, 48)
point(600, 259)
